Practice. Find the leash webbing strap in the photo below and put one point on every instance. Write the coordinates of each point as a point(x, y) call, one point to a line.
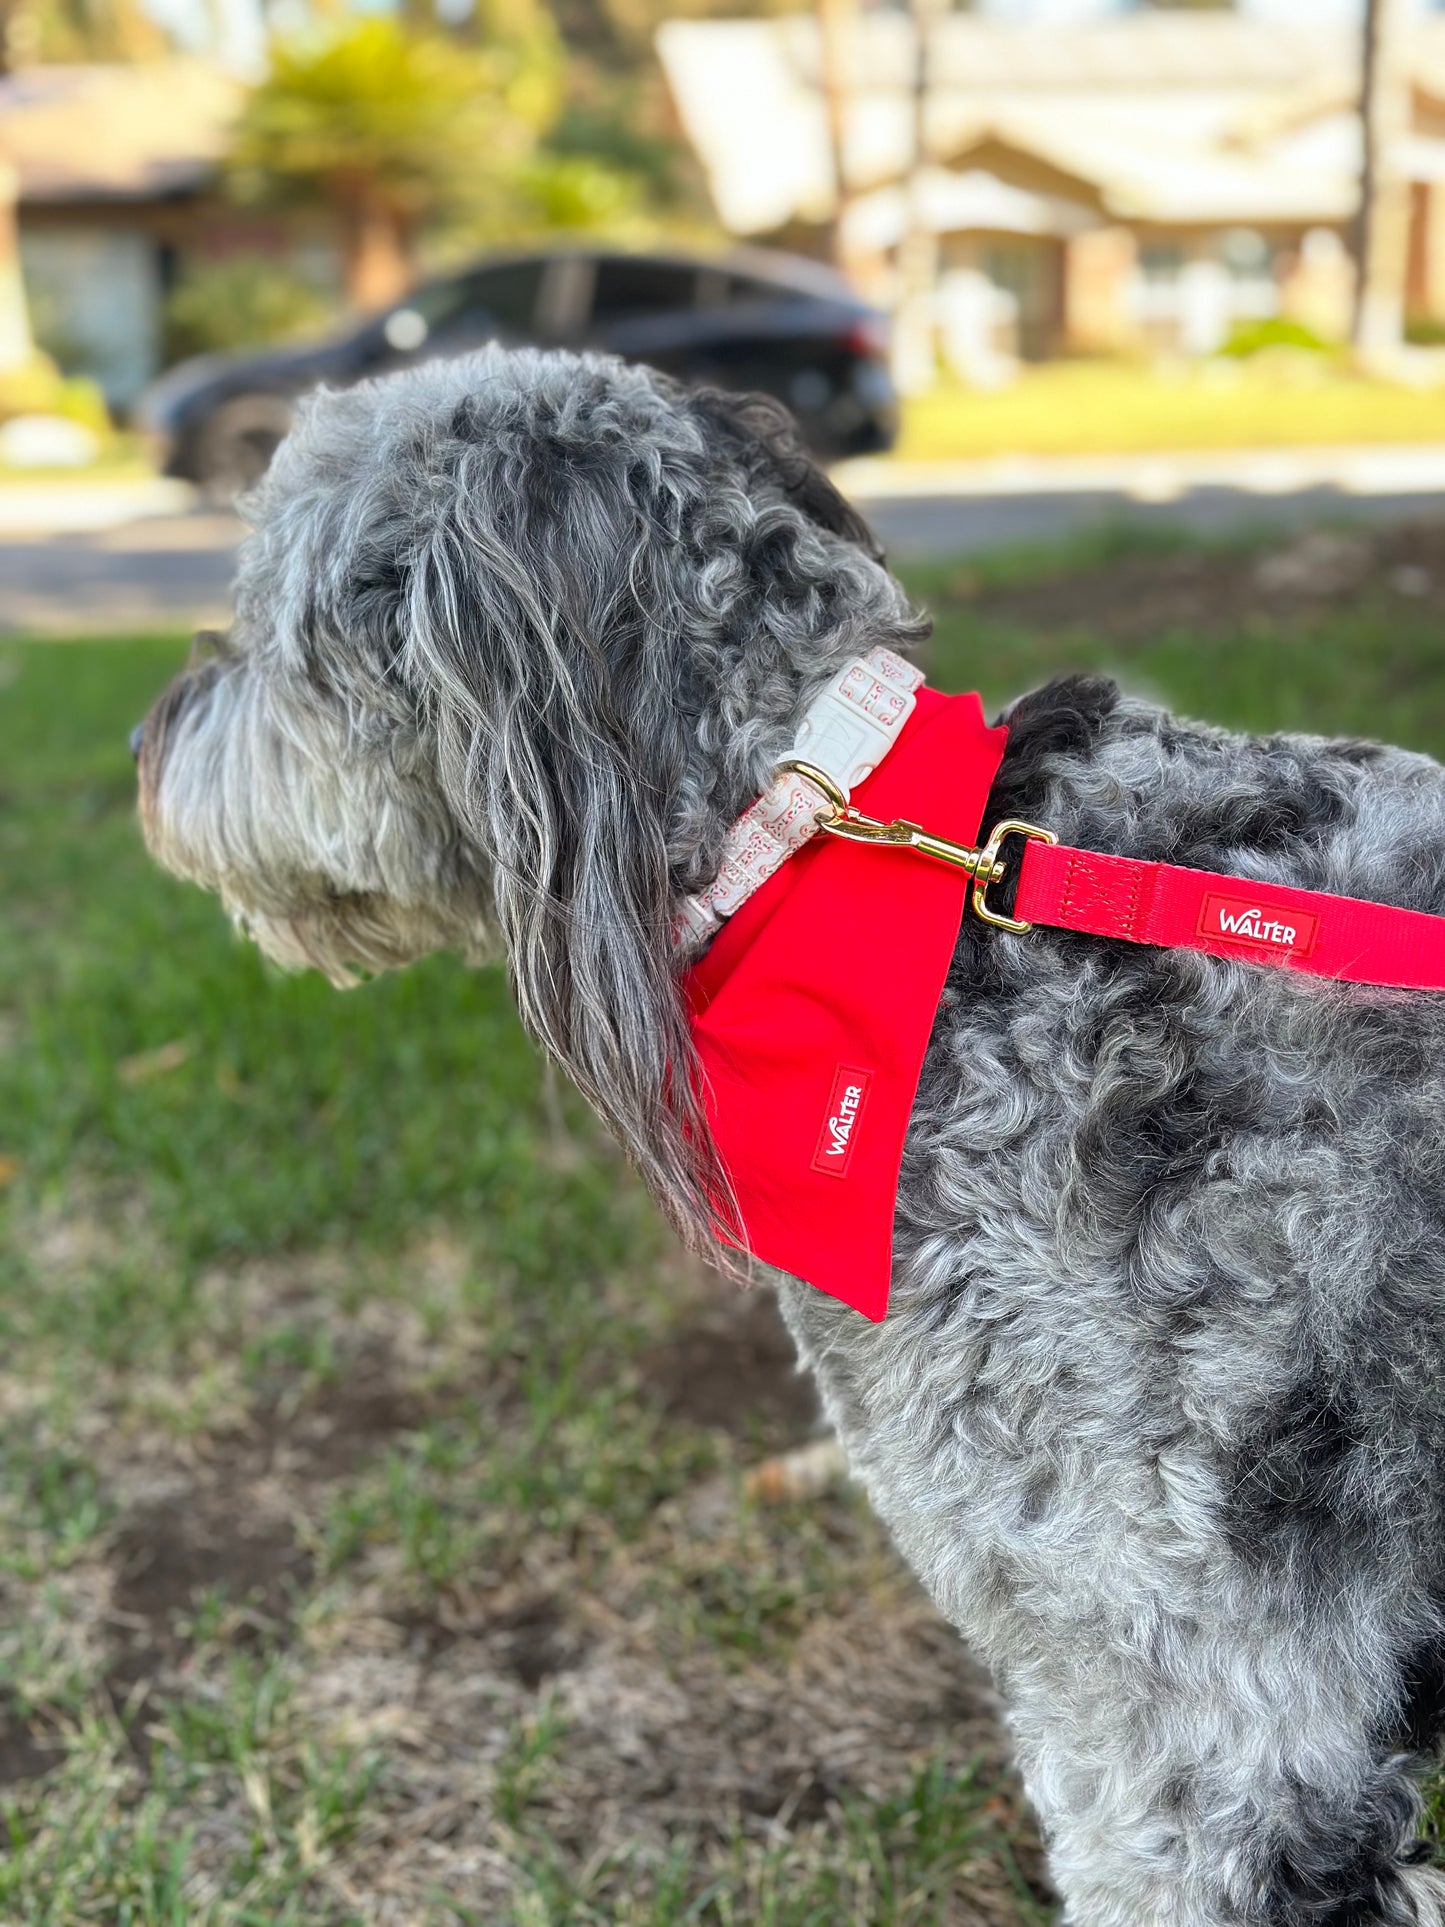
point(1163, 904)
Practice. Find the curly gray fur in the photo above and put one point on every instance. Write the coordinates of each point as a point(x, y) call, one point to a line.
point(1158, 1413)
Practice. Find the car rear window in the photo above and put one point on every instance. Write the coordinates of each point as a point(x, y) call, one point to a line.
point(504, 297)
point(509, 294)
point(748, 288)
point(624, 289)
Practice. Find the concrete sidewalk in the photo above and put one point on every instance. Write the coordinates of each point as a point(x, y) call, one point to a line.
point(129, 556)
point(1393, 469)
point(955, 508)
point(68, 507)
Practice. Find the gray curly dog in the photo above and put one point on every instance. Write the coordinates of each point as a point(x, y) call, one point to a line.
point(1158, 1413)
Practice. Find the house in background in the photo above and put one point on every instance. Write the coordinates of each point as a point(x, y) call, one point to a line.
point(117, 171)
point(1147, 181)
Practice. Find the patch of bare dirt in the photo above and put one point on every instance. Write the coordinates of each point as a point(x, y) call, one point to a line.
point(733, 1367)
point(537, 1640)
point(528, 1636)
point(1141, 597)
point(24, 1752)
point(167, 1556)
point(344, 1422)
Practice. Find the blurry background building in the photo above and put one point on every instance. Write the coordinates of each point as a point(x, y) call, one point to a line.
point(1155, 180)
point(116, 172)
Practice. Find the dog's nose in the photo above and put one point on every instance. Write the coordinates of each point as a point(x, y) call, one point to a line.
point(137, 737)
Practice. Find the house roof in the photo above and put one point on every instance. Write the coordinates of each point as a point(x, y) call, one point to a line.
point(1139, 51)
point(1139, 175)
point(88, 133)
point(1168, 117)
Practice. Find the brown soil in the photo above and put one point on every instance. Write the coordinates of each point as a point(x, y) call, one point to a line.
point(345, 1423)
point(734, 1369)
point(24, 1753)
point(1140, 598)
point(167, 1557)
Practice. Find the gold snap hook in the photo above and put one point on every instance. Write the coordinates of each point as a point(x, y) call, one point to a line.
point(991, 869)
point(984, 866)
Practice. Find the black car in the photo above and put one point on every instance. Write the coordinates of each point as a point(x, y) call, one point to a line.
point(754, 320)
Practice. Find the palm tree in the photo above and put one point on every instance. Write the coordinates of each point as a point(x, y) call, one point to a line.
point(389, 130)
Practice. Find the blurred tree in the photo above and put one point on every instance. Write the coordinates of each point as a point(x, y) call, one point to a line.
point(72, 30)
point(392, 130)
point(838, 72)
point(1189, 6)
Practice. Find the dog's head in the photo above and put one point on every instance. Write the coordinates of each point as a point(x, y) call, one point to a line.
point(516, 638)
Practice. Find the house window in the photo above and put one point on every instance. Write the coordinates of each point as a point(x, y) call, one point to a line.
point(1161, 263)
point(1031, 272)
point(95, 298)
point(1246, 253)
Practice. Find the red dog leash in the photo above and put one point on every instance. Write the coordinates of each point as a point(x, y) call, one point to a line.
point(1164, 904)
point(1161, 903)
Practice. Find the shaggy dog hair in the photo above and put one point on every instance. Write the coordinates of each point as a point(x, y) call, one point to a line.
point(1158, 1414)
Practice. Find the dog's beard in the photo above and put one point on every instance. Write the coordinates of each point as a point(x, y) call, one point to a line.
point(354, 937)
point(328, 857)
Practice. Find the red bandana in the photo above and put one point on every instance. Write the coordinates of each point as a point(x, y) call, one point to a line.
point(812, 1009)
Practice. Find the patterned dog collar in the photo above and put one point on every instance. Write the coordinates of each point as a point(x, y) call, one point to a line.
point(847, 732)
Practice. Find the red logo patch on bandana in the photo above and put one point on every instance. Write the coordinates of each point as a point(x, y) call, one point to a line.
point(1288, 933)
point(841, 1121)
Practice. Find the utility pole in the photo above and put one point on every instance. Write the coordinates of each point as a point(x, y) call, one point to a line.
point(915, 335)
point(1382, 229)
point(838, 71)
point(16, 344)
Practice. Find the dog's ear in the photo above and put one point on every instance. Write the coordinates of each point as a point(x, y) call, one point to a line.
point(559, 725)
point(768, 444)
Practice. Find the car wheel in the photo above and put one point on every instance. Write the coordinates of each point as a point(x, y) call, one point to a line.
point(237, 443)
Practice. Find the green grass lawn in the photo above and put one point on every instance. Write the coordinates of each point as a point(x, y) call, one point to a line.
point(1093, 408)
point(372, 1541)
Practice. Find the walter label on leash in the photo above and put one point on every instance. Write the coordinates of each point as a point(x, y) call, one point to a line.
point(1096, 1058)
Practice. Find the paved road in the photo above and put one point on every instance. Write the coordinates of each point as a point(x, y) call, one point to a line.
point(957, 508)
point(129, 561)
point(924, 525)
point(154, 573)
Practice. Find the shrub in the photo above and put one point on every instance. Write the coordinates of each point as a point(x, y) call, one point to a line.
point(240, 303)
point(1248, 338)
point(39, 388)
